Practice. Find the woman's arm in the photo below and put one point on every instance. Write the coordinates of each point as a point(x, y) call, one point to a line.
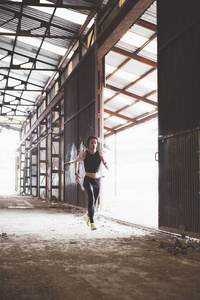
point(80, 157)
point(103, 159)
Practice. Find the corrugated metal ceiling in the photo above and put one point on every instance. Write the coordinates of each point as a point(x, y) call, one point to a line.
point(28, 35)
point(34, 36)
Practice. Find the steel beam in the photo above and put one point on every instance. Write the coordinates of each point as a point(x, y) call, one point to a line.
point(59, 5)
point(8, 88)
point(119, 115)
point(135, 57)
point(29, 34)
point(147, 25)
point(122, 127)
point(18, 67)
point(128, 14)
point(124, 92)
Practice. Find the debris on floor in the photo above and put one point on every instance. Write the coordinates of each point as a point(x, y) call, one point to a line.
point(4, 235)
point(191, 248)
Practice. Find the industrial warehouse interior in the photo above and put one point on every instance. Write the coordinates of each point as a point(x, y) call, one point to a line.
point(125, 71)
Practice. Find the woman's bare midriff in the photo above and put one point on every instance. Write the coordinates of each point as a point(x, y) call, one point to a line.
point(92, 175)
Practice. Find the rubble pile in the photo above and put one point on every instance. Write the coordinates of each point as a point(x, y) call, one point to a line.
point(189, 248)
point(4, 235)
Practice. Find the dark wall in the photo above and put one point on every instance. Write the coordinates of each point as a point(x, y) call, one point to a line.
point(178, 65)
point(79, 96)
point(179, 113)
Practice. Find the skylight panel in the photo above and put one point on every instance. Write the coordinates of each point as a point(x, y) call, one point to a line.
point(8, 31)
point(36, 42)
point(45, 45)
point(5, 59)
point(29, 40)
point(53, 48)
point(109, 68)
point(148, 84)
point(71, 16)
point(45, 2)
point(134, 39)
point(47, 73)
point(126, 75)
point(48, 10)
point(108, 93)
point(90, 23)
point(150, 81)
point(125, 100)
point(106, 115)
point(66, 14)
point(152, 47)
point(143, 107)
point(114, 121)
point(71, 54)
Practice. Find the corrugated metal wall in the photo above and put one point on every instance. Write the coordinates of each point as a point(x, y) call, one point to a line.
point(178, 182)
point(179, 113)
point(80, 96)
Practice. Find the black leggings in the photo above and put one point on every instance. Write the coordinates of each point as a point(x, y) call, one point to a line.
point(92, 187)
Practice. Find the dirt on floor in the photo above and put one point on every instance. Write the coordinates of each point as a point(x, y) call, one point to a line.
point(47, 252)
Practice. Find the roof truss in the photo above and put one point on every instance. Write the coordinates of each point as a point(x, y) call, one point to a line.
point(123, 113)
point(18, 62)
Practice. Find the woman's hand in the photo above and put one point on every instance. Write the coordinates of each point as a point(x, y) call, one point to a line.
point(77, 178)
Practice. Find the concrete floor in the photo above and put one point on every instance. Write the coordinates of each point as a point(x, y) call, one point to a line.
point(48, 252)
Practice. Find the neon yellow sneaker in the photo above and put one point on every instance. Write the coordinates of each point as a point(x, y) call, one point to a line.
point(92, 226)
point(88, 219)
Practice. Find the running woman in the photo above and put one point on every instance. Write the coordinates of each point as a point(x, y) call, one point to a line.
point(92, 160)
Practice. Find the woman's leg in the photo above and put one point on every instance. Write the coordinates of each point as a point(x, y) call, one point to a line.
point(96, 189)
point(91, 199)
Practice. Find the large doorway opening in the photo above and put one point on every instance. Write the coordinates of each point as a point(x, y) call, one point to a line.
point(130, 187)
point(9, 140)
point(130, 190)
